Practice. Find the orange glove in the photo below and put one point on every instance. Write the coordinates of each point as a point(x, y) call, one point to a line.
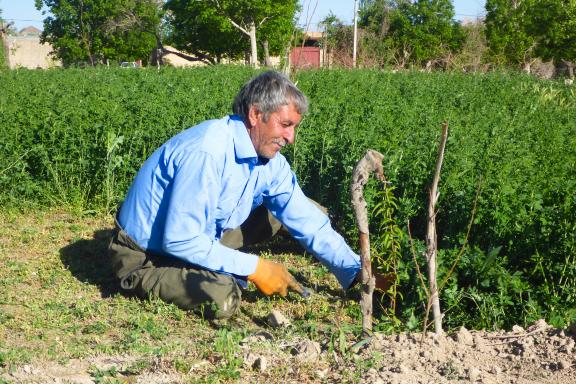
point(271, 277)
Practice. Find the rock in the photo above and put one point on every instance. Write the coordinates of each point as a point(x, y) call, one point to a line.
point(372, 374)
point(568, 347)
point(249, 360)
point(496, 370)
point(425, 354)
point(538, 324)
point(564, 364)
point(306, 350)
point(260, 364)
point(479, 343)
point(473, 374)
point(464, 336)
point(277, 320)
point(517, 329)
point(257, 337)
point(321, 373)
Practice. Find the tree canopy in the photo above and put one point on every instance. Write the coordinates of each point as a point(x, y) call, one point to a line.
point(215, 28)
point(92, 31)
point(507, 25)
point(417, 31)
point(518, 31)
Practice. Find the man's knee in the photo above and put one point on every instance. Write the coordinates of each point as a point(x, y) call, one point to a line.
point(221, 295)
point(212, 295)
point(228, 306)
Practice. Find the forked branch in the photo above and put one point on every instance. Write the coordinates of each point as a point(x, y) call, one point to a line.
point(432, 241)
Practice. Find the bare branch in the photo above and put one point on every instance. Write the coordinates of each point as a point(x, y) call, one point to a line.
point(370, 163)
point(431, 238)
point(263, 20)
point(245, 31)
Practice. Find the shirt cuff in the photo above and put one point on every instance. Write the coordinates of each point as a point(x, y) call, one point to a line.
point(235, 262)
point(347, 276)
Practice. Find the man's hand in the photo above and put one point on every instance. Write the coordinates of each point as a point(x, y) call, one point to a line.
point(271, 277)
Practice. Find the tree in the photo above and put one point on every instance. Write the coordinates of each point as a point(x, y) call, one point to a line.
point(419, 32)
point(518, 31)
point(330, 24)
point(138, 26)
point(554, 29)
point(507, 31)
point(472, 57)
point(219, 27)
point(3, 47)
point(89, 30)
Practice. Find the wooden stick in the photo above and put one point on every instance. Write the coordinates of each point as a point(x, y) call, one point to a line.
point(431, 238)
point(370, 163)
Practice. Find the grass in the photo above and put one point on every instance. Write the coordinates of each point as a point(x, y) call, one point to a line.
point(59, 301)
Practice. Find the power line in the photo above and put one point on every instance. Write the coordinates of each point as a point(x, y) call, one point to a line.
point(7, 19)
point(477, 15)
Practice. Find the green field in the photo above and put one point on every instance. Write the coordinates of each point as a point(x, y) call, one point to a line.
point(74, 139)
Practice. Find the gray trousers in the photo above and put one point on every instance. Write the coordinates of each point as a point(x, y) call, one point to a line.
point(213, 295)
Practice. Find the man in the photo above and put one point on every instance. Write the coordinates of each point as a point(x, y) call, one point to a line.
point(217, 187)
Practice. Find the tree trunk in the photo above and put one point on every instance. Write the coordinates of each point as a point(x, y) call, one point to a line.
point(267, 61)
point(370, 163)
point(569, 68)
point(4, 38)
point(254, 50)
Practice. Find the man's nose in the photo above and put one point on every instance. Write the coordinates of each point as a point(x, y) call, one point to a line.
point(289, 134)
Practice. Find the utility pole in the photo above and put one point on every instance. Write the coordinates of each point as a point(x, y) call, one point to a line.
point(355, 34)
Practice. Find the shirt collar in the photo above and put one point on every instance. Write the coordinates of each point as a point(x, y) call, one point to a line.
point(242, 143)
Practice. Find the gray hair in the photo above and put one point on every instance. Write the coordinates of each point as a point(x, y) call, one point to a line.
point(268, 92)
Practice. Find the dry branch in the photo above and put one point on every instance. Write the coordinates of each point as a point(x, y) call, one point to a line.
point(370, 163)
point(431, 238)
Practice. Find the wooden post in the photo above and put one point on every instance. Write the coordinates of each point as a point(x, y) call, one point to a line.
point(370, 163)
point(431, 238)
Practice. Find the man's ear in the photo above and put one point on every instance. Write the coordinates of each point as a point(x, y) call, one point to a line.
point(253, 115)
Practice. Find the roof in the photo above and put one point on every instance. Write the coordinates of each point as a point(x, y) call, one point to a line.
point(30, 31)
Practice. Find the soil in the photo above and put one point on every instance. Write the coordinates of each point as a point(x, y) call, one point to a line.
point(538, 354)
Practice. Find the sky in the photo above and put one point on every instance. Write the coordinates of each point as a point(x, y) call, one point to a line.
point(23, 13)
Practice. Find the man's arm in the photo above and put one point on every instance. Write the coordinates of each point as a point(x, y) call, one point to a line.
point(309, 225)
point(191, 214)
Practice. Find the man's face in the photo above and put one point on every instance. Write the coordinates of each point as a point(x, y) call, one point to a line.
point(268, 137)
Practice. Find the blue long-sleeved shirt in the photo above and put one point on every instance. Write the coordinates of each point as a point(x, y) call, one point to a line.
point(207, 180)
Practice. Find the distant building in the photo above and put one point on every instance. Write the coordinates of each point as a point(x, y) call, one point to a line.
point(26, 51)
point(29, 31)
point(309, 55)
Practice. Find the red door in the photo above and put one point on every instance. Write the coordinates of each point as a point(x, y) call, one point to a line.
point(305, 57)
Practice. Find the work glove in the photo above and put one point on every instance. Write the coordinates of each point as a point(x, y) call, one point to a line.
point(271, 277)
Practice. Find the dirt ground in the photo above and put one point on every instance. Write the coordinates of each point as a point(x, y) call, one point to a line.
point(538, 354)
